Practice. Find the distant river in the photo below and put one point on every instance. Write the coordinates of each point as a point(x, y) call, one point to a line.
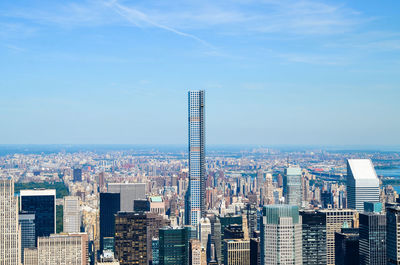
point(393, 172)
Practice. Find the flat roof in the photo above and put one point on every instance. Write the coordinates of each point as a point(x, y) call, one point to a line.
point(38, 192)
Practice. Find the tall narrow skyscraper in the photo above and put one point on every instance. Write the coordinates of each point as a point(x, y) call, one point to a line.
point(362, 183)
point(72, 215)
point(195, 194)
point(9, 228)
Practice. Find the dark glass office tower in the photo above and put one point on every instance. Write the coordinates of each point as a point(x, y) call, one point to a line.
point(347, 247)
point(77, 174)
point(314, 237)
point(174, 246)
point(372, 238)
point(109, 206)
point(131, 238)
point(27, 223)
point(43, 203)
point(393, 235)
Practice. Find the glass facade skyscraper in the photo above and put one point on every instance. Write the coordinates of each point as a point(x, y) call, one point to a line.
point(195, 195)
point(292, 186)
point(314, 237)
point(43, 203)
point(393, 235)
point(27, 223)
point(109, 206)
point(174, 246)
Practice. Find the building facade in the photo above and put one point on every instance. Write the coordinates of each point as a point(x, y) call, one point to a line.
point(347, 247)
point(27, 224)
point(372, 246)
point(314, 237)
point(292, 186)
point(336, 219)
point(362, 183)
point(71, 215)
point(281, 239)
point(109, 206)
point(129, 192)
point(236, 252)
point(393, 235)
point(63, 249)
point(196, 192)
point(43, 203)
point(174, 246)
point(10, 249)
point(131, 238)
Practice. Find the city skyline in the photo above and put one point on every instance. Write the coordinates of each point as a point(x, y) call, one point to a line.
point(276, 72)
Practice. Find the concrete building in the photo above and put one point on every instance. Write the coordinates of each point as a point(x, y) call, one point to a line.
point(71, 215)
point(129, 192)
point(281, 239)
point(335, 219)
point(31, 256)
point(204, 232)
point(362, 183)
point(236, 252)
point(10, 248)
point(63, 249)
point(195, 206)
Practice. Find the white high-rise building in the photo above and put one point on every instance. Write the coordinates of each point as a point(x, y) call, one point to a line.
point(194, 207)
point(204, 231)
point(281, 235)
point(10, 248)
point(362, 183)
point(71, 215)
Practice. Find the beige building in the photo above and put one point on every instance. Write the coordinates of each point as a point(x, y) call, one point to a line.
point(335, 220)
point(10, 242)
point(236, 252)
point(63, 249)
point(71, 215)
point(30, 256)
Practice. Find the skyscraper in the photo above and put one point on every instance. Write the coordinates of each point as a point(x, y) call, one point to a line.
point(109, 206)
point(292, 186)
point(347, 247)
point(204, 231)
point(77, 174)
point(362, 183)
point(195, 195)
point(336, 219)
point(281, 241)
point(10, 249)
point(174, 246)
point(393, 235)
point(27, 223)
point(43, 203)
point(71, 215)
point(131, 238)
point(314, 237)
point(129, 192)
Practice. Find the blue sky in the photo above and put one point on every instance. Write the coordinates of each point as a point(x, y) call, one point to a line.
point(274, 71)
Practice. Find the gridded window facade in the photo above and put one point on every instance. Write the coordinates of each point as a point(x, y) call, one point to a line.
point(195, 198)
